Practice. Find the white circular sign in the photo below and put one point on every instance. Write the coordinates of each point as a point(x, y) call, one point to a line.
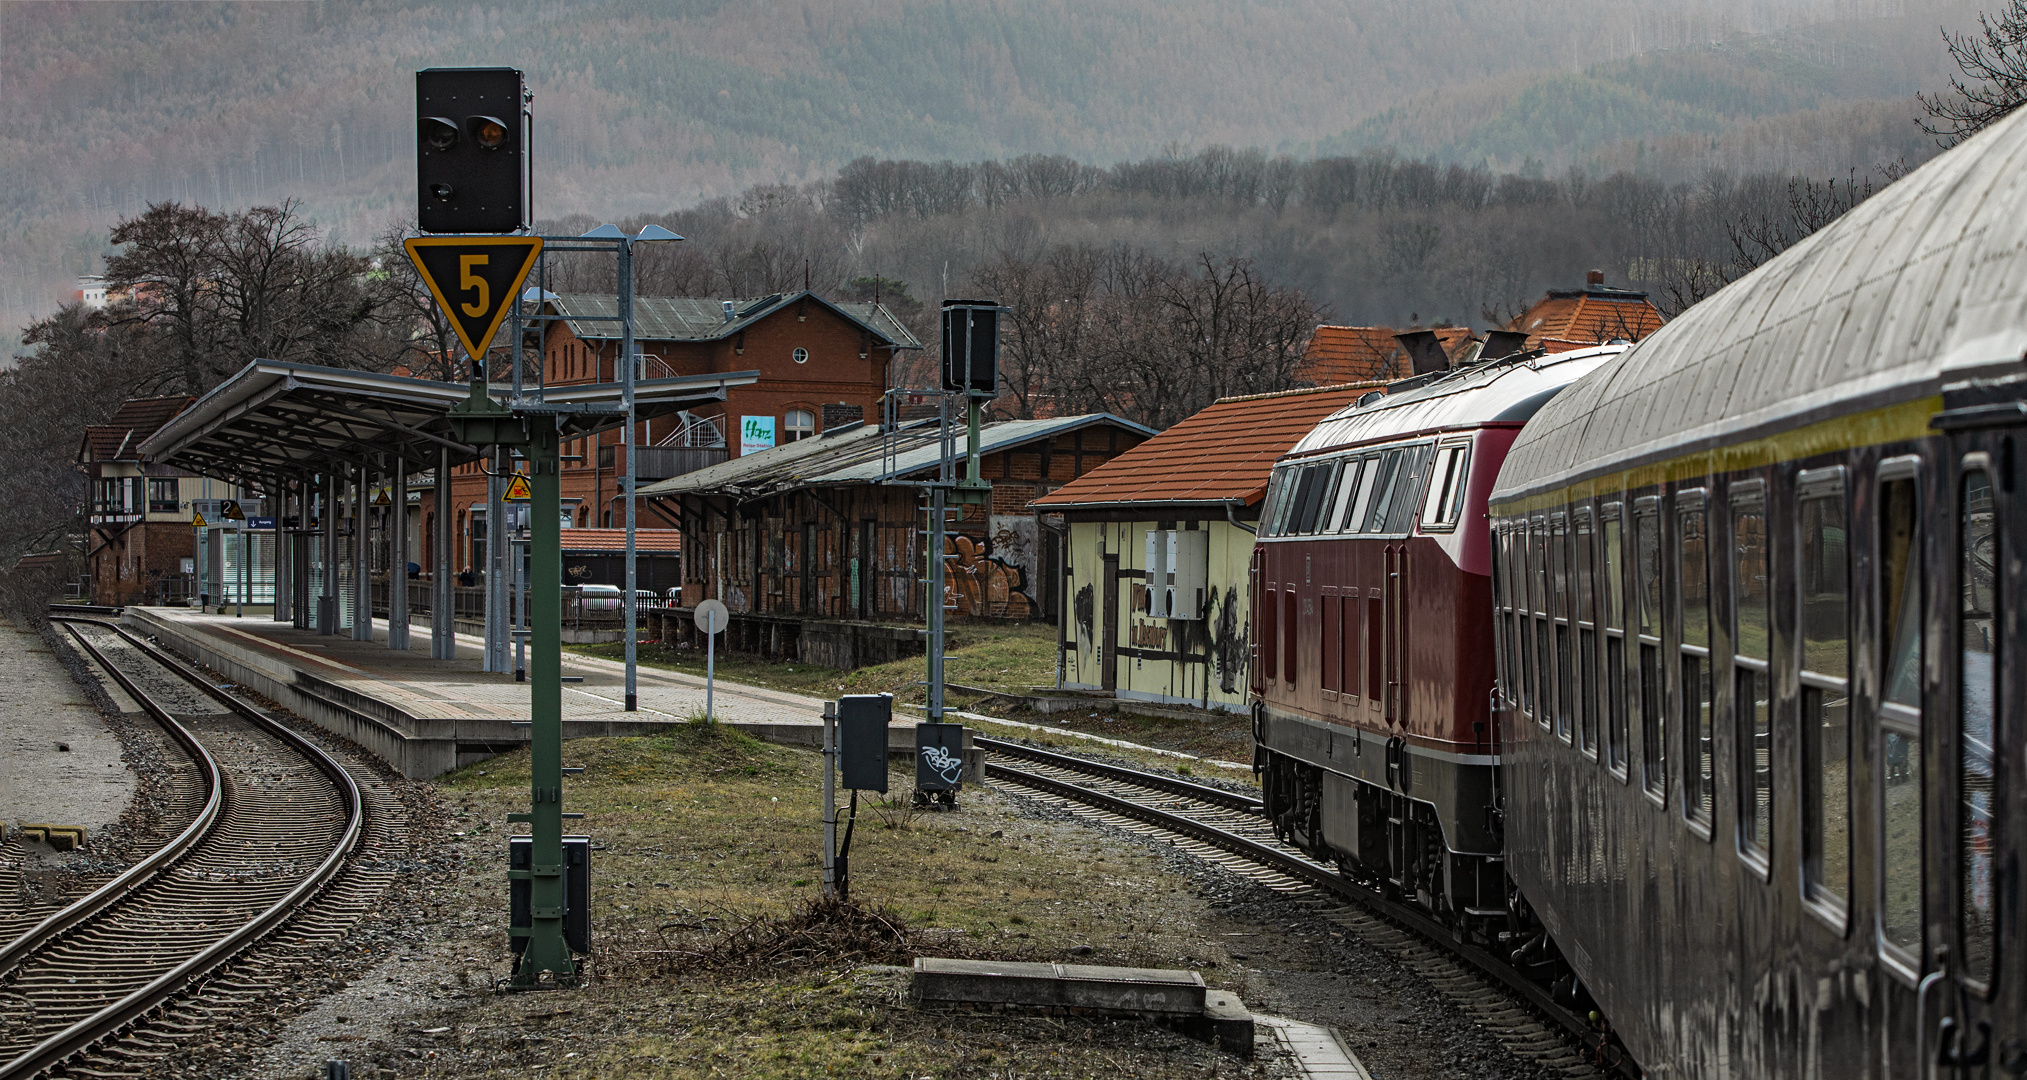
point(711, 616)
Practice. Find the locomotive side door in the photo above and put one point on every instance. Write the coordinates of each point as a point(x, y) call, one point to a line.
point(1973, 1010)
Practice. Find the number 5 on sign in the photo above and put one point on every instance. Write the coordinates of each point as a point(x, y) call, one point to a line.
point(487, 272)
point(467, 281)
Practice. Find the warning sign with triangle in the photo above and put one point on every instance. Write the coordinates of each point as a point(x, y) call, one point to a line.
point(197, 521)
point(230, 511)
point(517, 489)
point(380, 498)
point(474, 279)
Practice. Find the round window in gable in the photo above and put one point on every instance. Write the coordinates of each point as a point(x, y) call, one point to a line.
point(801, 355)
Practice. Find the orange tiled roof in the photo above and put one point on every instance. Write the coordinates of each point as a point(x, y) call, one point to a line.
point(646, 541)
point(1222, 453)
point(1346, 354)
point(1588, 317)
point(132, 422)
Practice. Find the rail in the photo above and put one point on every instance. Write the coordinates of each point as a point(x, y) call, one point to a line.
point(86, 1033)
point(1231, 800)
point(1299, 868)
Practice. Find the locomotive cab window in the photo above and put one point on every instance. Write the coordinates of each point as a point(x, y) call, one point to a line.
point(1347, 492)
point(1692, 611)
point(1444, 505)
point(1898, 600)
point(1824, 585)
point(1752, 686)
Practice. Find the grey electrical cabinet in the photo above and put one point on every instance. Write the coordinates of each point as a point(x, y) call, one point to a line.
point(576, 892)
point(1178, 566)
point(862, 741)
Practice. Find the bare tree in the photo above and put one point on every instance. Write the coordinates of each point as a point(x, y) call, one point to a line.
point(1993, 81)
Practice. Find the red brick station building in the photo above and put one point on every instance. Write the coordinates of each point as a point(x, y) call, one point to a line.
point(822, 364)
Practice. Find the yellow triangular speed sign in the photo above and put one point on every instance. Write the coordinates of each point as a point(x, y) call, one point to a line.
point(517, 489)
point(474, 280)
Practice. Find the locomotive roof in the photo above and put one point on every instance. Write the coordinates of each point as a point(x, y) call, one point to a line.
point(1499, 392)
point(1923, 284)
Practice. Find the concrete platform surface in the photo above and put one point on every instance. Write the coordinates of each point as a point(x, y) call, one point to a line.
point(41, 709)
point(1314, 1048)
point(428, 716)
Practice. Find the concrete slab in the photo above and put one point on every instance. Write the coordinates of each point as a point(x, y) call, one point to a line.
point(1076, 986)
point(43, 712)
point(426, 717)
point(1315, 1049)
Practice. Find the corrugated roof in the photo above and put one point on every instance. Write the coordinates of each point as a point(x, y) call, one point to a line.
point(858, 455)
point(119, 438)
point(1225, 452)
point(702, 318)
point(645, 541)
point(1915, 288)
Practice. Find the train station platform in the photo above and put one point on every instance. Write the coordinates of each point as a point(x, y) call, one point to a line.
point(426, 717)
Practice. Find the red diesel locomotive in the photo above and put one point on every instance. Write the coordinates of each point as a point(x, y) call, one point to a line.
point(1372, 615)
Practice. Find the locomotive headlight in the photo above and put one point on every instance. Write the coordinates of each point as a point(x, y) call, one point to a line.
point(439, 133)
point(487, 131)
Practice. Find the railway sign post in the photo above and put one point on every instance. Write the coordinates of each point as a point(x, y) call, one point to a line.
point(474, 280)
point(710, 617)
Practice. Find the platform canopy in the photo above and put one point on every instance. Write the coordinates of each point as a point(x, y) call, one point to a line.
point(272, 416)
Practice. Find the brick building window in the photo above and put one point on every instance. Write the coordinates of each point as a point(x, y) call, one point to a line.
point(799, 424)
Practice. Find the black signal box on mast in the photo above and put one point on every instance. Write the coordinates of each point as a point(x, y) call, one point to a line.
point(971, 347)
point(471, 153)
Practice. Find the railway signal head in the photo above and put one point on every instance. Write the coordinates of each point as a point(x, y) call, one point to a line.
point(471, 155)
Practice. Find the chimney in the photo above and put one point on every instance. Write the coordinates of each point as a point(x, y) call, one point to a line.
point(1595, 279)
point(732, 310)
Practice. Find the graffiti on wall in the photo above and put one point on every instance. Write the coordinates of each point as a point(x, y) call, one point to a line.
point(977, 582)
point(1227, 626)
point(1084, 613)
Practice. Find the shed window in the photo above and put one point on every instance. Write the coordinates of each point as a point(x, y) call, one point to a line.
point(1824, 582)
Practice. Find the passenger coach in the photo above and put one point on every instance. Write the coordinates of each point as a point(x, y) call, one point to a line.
point(1758, 592)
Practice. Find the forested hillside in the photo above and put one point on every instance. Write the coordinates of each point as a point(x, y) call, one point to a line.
point(650, 106)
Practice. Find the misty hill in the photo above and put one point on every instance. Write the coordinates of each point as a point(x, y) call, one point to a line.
point(651, 106)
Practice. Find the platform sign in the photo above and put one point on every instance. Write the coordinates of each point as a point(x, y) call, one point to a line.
point(474, 280)
point(517, 489)
point(230, 511)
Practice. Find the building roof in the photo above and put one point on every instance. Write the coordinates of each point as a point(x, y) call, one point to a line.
point(1222, 454)
point(273, 416)
point(1337, 355)
point(645, 541)
point(595, 316)
point(1575, 318)
point(120, 437)
point(859, 454)
point(1875, 314)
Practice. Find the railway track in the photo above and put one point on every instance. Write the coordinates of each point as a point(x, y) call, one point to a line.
point(275, 819)
point(1227, 829)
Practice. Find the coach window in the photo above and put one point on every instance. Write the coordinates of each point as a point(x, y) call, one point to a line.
point(1613, 594)
point(1692, 608)
point(1523, 633)
point(1899, 604)
point(1501, 666)
point(1587, 635)
point(1647, 593)
point(1559, 563)
point(1752, 689)
point(1544, 649)
point(1372, 509)
point(1277, 498)
point(1407, 485)
point(1824, 583)
point(1368, 479)
point(1977, 718)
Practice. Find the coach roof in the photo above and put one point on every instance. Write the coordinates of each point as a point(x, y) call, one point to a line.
point(1923, 284)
